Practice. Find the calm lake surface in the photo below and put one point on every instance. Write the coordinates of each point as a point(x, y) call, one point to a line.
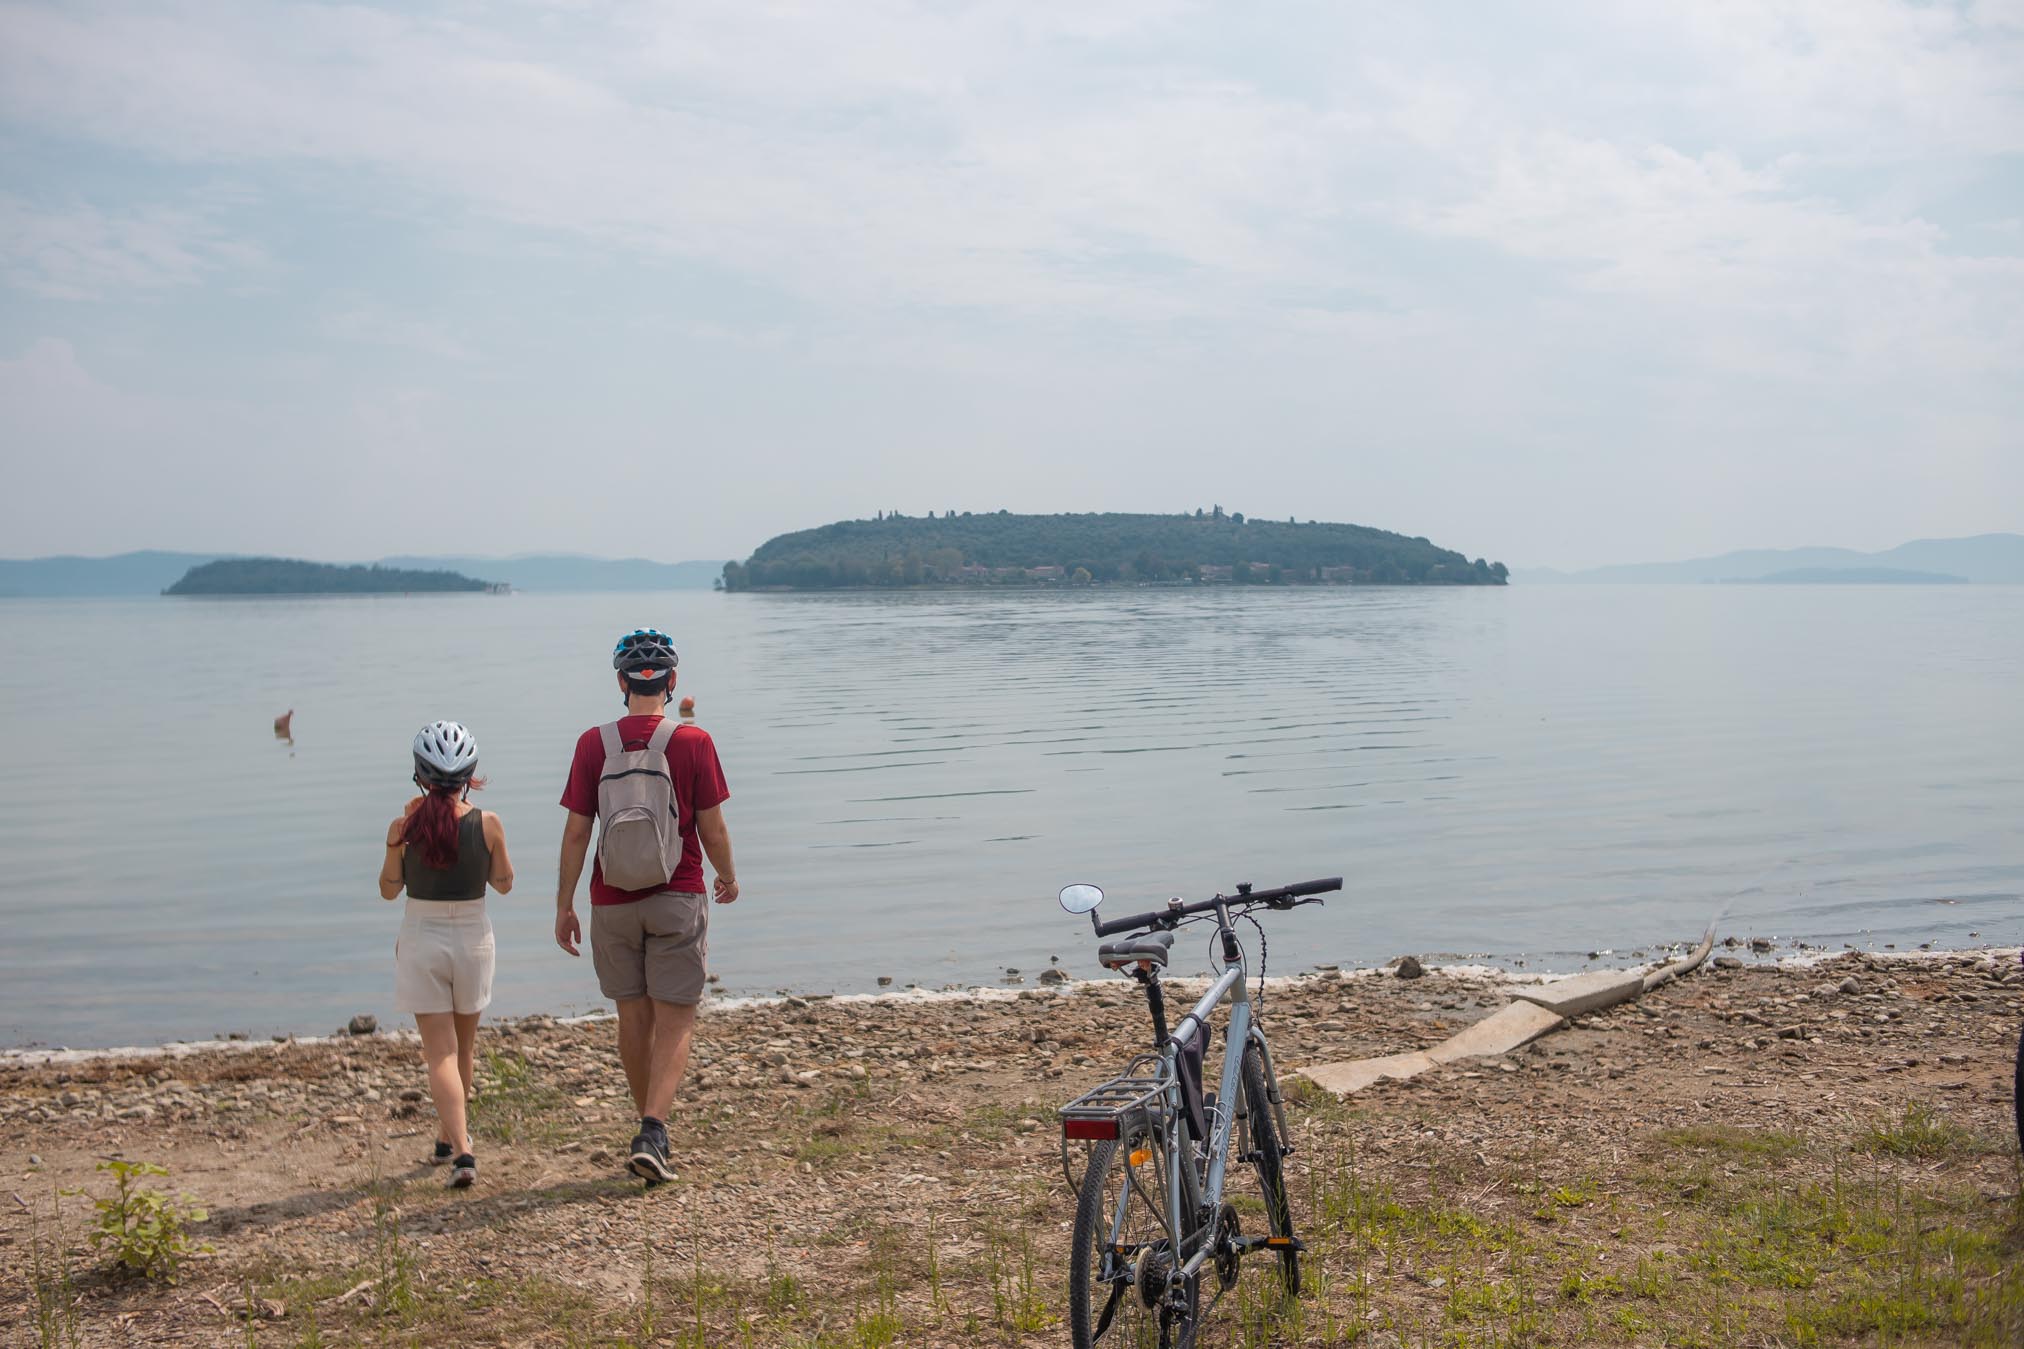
point(1530, 773)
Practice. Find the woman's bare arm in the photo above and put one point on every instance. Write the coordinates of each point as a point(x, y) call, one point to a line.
point(390, 867)
point(502, 866)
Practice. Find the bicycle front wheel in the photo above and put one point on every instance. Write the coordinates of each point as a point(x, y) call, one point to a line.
point(1268, 1156)
point(1122, 1252)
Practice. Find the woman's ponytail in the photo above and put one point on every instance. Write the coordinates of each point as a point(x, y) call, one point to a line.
point(431, 826)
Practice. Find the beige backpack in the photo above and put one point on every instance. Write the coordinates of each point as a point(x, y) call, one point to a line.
point(639, 837)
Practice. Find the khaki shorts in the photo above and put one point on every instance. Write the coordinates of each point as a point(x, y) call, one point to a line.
point(652, 947)
point(443, 957)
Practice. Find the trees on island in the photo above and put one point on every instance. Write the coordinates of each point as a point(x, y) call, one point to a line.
point(291, 576)
point(999, 548)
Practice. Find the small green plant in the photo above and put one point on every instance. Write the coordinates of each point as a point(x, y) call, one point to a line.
point(881, 1327)
point(646, 1307)
point(1573, 1196)
point(1918, 1130)
point(140, 1229)
point(938, 1298)
point(393, 1267)
point(1015, 1294)
point(783, 1291)
point(55, 1295)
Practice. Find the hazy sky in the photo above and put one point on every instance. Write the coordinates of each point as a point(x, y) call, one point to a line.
point(1556, 283)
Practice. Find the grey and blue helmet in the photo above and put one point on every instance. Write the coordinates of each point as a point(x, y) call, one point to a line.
point(644, 653)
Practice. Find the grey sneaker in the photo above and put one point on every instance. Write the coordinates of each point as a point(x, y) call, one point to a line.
point(463, 1171)
point(649, 1159)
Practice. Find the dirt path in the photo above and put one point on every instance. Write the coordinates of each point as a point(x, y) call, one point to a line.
point(1756, 1156)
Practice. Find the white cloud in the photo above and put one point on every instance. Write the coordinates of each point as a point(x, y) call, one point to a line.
point(1021, 156)
point(1706, 240)
point(78, 251)
point(362, 320)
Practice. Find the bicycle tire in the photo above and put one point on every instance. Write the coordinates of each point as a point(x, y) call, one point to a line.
point(1092, 1273)
point(1269, 1160)
point(2017, 1092)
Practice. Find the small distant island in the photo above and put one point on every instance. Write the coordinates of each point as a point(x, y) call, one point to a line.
point(291, 576)
point(1204, 547)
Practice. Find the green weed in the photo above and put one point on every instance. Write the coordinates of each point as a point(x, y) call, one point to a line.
point(140, 1229)
point(49, 1273)
point(1733, 1139)
point(1917, 1131)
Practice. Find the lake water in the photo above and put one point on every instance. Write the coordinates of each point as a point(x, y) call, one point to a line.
point(1530, 773)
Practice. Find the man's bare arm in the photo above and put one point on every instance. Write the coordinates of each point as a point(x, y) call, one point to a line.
point(575, 845)
point(716, 839)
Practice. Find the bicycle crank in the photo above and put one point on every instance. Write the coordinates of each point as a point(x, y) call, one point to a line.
point(1229, 1247)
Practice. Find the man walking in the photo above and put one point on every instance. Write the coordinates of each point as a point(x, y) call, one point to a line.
point(657, 790)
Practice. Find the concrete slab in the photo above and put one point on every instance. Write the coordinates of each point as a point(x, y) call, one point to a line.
point(1583, 993)
point(1533, 1012)
point(1512, 1025)
point(1356, 1074)
point(1502, 1031)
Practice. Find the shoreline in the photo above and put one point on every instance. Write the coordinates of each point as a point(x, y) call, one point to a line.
point(1797, 960)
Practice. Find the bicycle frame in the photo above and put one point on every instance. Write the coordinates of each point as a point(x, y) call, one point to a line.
point(1189, 1195)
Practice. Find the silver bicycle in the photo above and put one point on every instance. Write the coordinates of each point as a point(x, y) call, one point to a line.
point(1151, 1218)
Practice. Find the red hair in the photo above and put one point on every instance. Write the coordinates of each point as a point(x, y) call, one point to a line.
point(432, 825)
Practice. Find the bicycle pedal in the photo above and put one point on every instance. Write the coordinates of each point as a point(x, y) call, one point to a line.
point(1248, 1244)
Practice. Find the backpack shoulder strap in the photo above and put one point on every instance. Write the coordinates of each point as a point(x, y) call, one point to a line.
point(663, 733)
point(612, 744)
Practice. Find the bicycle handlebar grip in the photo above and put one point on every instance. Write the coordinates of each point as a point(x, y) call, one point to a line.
point(1111, 929)
point(1300, 888)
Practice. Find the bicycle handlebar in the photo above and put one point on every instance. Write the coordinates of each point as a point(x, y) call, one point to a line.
point(1167, 917)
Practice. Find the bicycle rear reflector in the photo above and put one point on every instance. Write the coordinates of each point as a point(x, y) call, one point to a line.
point(1123, 1107)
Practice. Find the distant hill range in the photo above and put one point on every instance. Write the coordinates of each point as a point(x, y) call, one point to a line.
point(1852, 576)
point(146, 573)
point(291, 576)
point(567, 572)
point(150, 573)
point(1000, 548)
point(1986, 558)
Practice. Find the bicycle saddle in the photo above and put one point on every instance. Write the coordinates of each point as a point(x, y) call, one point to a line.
point(1151, 947)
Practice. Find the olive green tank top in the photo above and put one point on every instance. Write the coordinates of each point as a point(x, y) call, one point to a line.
point(463, 878)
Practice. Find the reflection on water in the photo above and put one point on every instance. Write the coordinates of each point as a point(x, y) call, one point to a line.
point(1521, 773)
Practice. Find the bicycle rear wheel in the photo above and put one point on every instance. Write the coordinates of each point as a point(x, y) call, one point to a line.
point(2017, 1092)
point(1121, 1252)
point(1268, 1158)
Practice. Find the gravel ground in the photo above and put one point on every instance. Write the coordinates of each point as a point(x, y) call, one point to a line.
point(1761, 1154)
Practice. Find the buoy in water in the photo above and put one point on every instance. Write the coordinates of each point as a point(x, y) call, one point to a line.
point(688, 707)
point(281, 731)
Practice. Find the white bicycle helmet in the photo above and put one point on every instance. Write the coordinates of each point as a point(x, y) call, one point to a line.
point(445, 753)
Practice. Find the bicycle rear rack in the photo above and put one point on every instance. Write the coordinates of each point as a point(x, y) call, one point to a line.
point(1123, 1107)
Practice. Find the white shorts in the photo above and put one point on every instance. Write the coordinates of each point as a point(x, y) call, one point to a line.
point(443, 957)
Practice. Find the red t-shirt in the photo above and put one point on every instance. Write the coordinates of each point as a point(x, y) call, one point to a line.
point(699, 785)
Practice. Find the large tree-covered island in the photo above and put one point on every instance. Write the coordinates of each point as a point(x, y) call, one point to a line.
point(1202, 547)
point(291, 576)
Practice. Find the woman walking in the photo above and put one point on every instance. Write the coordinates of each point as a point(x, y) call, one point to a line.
point(444, 851)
